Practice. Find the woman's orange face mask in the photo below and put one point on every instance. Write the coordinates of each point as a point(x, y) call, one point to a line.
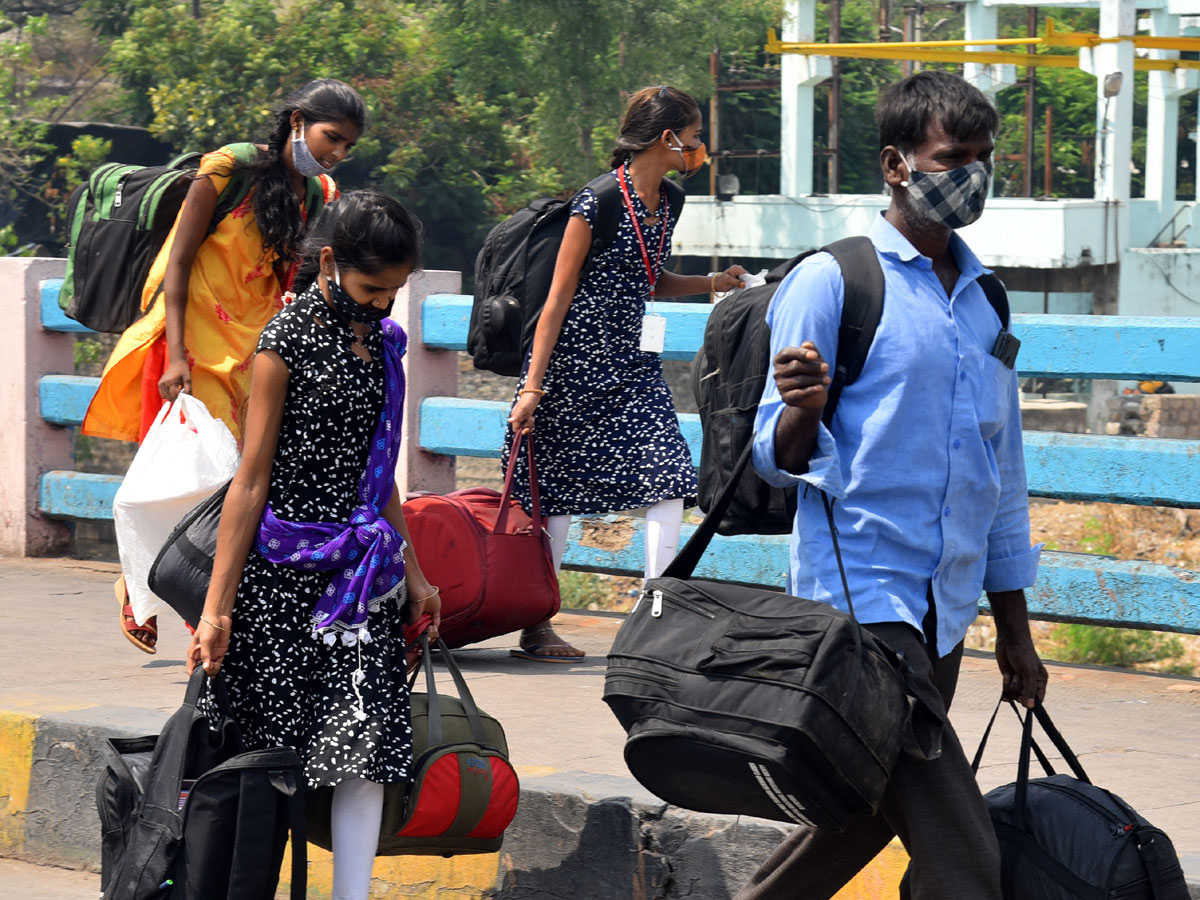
point(693, 157)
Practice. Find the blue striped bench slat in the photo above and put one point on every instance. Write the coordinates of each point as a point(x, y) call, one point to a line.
point(1146, 471)
point(64, 399)
point(78, 495)
point(1070, 586)
point(1124, 348)
point(53, 318)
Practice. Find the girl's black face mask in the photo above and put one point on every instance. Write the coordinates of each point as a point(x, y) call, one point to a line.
point(350, 309)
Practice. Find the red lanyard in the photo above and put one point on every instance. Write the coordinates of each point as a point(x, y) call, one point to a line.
point(637, 228)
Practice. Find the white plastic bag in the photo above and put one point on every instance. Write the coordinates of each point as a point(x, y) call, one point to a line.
point(187, 455)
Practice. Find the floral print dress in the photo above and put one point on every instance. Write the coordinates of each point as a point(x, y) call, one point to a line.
point(606, 436)
point(287, 687)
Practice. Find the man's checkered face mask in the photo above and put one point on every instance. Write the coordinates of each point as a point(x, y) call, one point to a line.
point(953, 198)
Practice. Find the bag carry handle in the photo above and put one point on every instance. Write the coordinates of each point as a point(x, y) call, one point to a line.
point(460, 683)
point(534, 494)
point(1037, 751)
point(685, 562)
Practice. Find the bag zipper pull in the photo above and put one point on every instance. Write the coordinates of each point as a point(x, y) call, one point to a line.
point(656, 605)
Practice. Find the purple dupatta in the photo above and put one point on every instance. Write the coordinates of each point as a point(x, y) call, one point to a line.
point(368, 551)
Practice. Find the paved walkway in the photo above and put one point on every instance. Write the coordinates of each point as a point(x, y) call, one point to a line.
point(1138, 735)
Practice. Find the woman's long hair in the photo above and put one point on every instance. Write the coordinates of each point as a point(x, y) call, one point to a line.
point(368, 231)
point(276, 208)
point(650, 112)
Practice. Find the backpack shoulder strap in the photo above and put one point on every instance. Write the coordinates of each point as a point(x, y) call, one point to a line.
point(610, 206)
point(321, 190)
point(997, 296)
point(676, 196)
point(862, 308)
point(238, 186)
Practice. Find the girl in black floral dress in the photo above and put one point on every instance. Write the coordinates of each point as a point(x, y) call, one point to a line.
point(314, 576)
point(606, 433)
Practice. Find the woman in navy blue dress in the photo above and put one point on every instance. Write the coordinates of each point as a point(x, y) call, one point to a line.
point(606, 434)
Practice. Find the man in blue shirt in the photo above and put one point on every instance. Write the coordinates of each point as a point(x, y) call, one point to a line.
point(924, 458)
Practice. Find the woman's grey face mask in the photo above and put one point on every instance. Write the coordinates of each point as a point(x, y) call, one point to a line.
point(953, 198)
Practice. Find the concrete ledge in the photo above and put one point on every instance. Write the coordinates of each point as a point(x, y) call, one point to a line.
point(575, 835)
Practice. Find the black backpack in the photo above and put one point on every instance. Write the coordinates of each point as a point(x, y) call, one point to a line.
point(731, 370)
point(516, 265)
point(118, 221)
point(187, 815)
point(1064, 838)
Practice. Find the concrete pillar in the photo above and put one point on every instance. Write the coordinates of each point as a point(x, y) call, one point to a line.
point(1162, 122)
point(800, 75)
point(1114, 115)
point(29, 446)
point(982, 23)
point(429, 373)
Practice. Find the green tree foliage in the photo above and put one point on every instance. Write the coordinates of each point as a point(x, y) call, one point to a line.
point(476, 106)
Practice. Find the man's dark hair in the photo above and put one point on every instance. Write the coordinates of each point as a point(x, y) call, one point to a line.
point(907, 107)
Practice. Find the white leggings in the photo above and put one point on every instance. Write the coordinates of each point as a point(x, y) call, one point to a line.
point(357, 811)
point(663, 521)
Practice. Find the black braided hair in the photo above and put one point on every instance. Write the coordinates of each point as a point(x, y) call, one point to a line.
point(368, 231)
point(276, 207)
point(650, 112)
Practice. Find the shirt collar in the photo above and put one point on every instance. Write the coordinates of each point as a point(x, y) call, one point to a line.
point(889, 241)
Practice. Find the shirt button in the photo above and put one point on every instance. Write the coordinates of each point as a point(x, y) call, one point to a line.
point(957, 443)
point(962, 376)
point(946, 511)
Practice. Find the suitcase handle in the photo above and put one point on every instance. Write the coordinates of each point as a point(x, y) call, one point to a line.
point(535, 498)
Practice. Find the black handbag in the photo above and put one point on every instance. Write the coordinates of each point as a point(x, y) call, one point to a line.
point(1064, 838)
point(183, 568)
point(745, 701)
point(189, 815)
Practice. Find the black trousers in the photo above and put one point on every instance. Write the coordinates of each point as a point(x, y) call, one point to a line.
point(934, 806)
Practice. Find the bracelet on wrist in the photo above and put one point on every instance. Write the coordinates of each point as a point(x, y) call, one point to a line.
point(210, 622)
point(537, 391)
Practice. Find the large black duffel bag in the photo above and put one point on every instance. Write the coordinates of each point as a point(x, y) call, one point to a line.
point(1064, 838)
point(747, 701)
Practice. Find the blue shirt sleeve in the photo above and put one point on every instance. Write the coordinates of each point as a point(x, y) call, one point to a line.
point(806, 307)
point(1011, 563)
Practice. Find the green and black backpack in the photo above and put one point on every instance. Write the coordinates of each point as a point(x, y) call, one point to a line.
point(118, 220)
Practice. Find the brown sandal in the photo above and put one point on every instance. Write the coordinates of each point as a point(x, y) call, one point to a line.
point(129, 626)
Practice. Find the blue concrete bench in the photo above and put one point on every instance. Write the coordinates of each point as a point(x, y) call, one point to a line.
point(1071, 587)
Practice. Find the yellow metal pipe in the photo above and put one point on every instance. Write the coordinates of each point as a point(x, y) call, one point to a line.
point(1052, 38)
point(943, 52)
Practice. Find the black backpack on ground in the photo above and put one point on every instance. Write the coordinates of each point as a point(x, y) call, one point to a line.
point(187, 815)
point(1064, 838)
point(745, 701)
point(732, 367)
point(516, 265)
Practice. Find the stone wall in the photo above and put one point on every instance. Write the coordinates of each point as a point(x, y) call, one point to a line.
point(1155, 415)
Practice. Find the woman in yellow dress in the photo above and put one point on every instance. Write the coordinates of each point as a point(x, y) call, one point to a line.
point(209, 295)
